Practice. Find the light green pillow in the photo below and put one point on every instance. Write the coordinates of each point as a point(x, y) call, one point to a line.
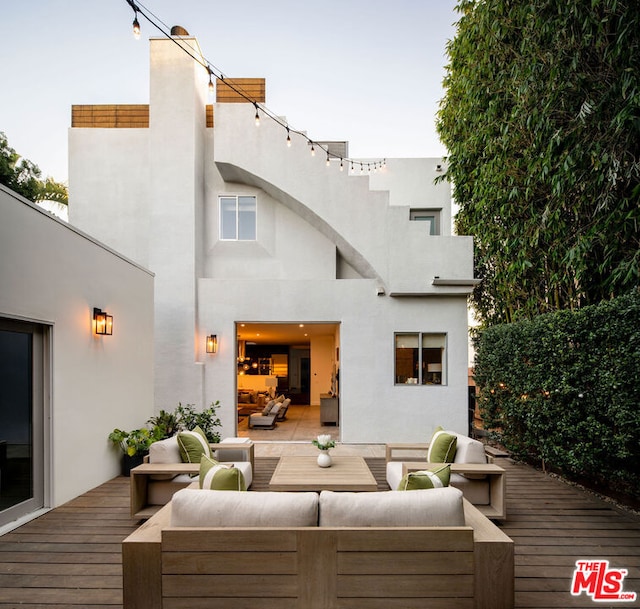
point(217, 477)
point(442, 448)
point(193, 444)
point(428, 478)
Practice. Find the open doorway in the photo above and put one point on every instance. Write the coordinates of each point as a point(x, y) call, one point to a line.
point(297, 362)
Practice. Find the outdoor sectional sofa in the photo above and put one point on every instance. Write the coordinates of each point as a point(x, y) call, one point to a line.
point(482, 483)
point(163, 473)
point(304, 550)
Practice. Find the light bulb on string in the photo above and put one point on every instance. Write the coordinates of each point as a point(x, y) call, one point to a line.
point(328, 160)
point(136, 27)
point(313, 150)
point(341, 165)
point(211, 87)
point(288, 138)
point(257, 117)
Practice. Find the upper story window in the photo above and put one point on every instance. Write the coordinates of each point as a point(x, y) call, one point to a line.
point(420, 358)
point(238, 218)
point(432, 216)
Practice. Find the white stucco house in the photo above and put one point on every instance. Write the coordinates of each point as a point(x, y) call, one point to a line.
point(335, 281)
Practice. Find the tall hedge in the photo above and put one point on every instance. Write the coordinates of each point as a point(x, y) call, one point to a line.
point(564, 389)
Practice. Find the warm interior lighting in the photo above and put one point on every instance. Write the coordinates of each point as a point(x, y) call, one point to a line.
point(212, 343)
point(103, 321)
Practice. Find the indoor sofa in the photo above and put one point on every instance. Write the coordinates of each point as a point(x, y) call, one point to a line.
point(306, 550)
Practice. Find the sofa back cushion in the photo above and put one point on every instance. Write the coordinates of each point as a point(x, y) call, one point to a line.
point(469, 450)
point(419, 508)
point(205, 508)
point(165, 451)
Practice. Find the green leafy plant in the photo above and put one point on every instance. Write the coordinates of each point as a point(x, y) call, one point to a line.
point(134, 442)
point(543, 154)
point(207, 420)
point(165, 424)
point(562, 390)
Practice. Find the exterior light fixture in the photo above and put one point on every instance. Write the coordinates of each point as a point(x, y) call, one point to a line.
point(136, 28)
point(257, 117)
point(212, 343)
point(104, 322)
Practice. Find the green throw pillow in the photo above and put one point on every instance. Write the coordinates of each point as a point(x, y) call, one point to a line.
point(433, 478)
point(442, 448)
point(193, 444)
point(217, 477)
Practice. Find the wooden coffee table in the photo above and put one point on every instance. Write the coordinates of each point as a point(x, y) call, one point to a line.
point(303, 474)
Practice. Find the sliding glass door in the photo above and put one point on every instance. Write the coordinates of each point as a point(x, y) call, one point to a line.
point(21, 418)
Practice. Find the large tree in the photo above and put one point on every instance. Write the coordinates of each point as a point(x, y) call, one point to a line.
point(23, 177)
point(541, 117)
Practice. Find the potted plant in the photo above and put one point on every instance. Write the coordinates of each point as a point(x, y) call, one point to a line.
point(164, 424)
point(134, 445)
point(206, 420)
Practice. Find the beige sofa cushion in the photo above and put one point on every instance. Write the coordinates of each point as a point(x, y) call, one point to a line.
point(203, 508)
point(159, 492)
point(419, 508)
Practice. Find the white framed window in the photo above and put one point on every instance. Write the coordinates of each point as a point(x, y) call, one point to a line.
point(420, 358)
point(432, 216)
point(238, 217)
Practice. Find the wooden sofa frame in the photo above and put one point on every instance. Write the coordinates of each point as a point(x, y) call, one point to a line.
point(470, 567)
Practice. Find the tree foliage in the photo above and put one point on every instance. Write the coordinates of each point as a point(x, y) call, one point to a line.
point(541, 117)
point(23, 177)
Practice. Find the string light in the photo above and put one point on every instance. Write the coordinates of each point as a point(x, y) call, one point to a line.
point(196, 55)
point(136, 27)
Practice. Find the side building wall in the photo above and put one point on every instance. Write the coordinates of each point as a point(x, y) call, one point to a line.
point(54, 275)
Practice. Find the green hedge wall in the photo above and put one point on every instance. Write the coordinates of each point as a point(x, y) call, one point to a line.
point(564, 389)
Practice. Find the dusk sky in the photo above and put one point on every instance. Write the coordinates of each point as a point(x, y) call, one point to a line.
point(369, 72)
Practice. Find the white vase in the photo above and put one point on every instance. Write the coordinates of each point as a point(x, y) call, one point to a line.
point(324, 459)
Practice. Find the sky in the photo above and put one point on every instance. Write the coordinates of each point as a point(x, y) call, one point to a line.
point(366, 71)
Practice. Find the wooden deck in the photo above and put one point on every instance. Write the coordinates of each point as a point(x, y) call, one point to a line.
point(70, 557)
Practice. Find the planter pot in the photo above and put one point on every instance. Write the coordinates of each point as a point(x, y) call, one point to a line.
point(128, 463)
point(324, 459)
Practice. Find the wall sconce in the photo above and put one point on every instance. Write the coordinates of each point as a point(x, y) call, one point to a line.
point(104, 322)
point(212, 343)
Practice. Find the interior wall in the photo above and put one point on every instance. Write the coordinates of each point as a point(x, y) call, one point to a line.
point(322, 358)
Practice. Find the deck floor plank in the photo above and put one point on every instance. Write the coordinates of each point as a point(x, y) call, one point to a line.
point(70, 557)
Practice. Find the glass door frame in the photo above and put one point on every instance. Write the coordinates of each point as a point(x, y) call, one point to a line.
point(40, 417)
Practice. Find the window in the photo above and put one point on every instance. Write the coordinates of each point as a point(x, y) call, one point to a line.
point(238, 218)
point(432, 216)
point(420, 359)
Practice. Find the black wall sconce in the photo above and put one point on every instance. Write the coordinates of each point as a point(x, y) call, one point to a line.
point(212, 343)
point(104, 322)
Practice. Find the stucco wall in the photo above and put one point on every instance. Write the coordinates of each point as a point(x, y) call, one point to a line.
point(374, 409)
point(55, 275)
